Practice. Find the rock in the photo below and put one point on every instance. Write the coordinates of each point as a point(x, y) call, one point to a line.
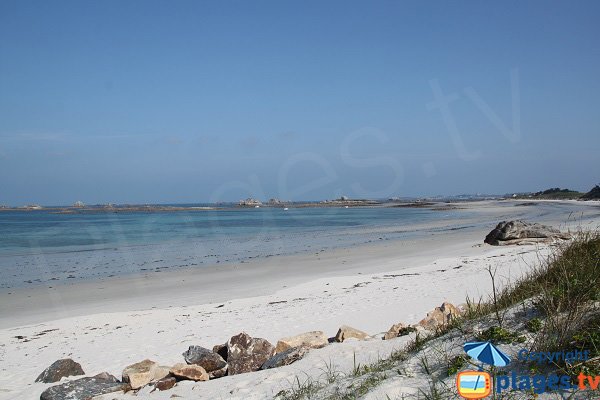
point(84, 388)
point(313, 340)
point(60, 369)
point(142, 373)
point(440, 317)
point(434, 320)
point(165, 383)
point(212, 362)
point(106, 377)
point(347, 332)
point(190, 372)
point(398, 329)
point(450, 311)
point(286, 357)
point(247, 354)
point(423, 332)
point(221, 349)
point(519, 232)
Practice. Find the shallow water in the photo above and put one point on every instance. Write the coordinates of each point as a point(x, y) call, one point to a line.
point(40, 247)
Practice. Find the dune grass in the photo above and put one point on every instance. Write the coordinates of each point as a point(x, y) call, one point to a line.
point(565, 289)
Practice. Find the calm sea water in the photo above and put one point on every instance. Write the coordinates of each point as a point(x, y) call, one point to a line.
point(41, 247)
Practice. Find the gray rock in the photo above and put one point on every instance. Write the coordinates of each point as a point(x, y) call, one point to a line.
point(60, 369)
point(519, 232)
point(286, 357)
point(212, 362)
point(84, 388)
point(247, 354)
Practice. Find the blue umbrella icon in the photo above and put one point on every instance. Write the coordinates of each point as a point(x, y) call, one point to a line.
point(486, 353)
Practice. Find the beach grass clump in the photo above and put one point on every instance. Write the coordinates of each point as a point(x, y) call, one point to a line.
point(497, 334)
point(305, 389)
point(568, 293)
point(568, 279)
point(587, 339)
point(455, 364)
point(534, 325)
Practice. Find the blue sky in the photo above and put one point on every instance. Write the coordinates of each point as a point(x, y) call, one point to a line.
point(146, 101)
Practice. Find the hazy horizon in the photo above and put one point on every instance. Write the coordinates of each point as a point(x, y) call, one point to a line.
point(266, 199)
point(195, 102)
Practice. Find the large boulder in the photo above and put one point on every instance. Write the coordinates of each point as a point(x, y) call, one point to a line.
point(286, 357)
point(347, 332)
point(60, 369)
point(207, 359)
point(142, 373)
point(313, 340)
point(247, 354)
point(519, 232)
point(84, 388)
point(189, 372)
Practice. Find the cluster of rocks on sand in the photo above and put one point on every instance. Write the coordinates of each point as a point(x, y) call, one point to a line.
point(240, 354)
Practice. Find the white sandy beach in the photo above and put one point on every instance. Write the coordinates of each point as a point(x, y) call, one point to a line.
point(110, 324)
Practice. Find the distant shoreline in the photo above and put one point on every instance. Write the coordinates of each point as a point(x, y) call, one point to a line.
point(425, 203)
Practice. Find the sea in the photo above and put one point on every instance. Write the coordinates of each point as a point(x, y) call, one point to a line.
point(42, 247)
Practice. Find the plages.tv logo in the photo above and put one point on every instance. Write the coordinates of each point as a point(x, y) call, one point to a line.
point(478, 384)
point(474, 384)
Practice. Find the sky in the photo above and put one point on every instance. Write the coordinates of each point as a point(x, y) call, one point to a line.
point(204, 101)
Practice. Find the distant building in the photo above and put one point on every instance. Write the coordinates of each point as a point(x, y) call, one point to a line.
point(250, 202)
point(277, 202)
point(78, 204)
point(32, 207)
